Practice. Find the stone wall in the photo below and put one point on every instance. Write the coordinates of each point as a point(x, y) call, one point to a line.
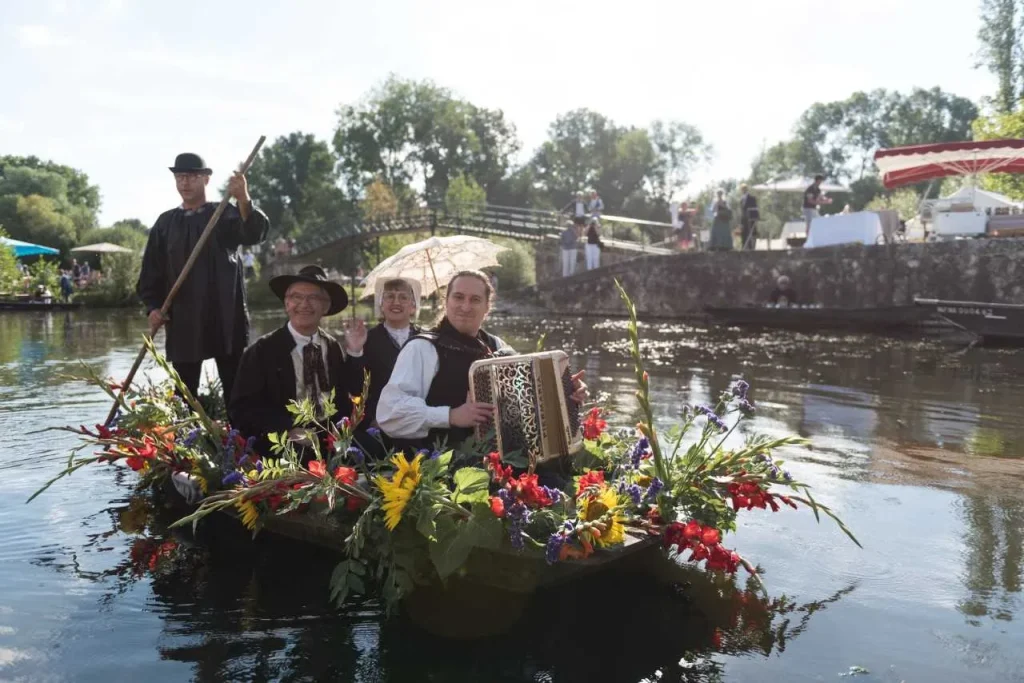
point(678, 285)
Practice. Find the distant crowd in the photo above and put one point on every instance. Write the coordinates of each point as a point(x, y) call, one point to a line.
point(585, 219)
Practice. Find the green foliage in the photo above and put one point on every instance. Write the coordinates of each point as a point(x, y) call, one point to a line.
point(1001, 50)
point(295, 181)
point(47, 274)
point(463, 192)
point(415, 133)
point(124, 233)
point(79, 191)
point(994, 127)
point(518, 264)
point(10, 276)
point(37, 219)
point(905, 201)
point(116, 287)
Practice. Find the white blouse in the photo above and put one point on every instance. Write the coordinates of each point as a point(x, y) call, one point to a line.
point(403, 412)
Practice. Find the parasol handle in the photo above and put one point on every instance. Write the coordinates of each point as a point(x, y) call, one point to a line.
point(210, 225)
point(437, 286)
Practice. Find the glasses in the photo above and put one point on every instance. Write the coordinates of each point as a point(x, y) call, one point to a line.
point(305, 299)
point(400, 297)
point(188, 177)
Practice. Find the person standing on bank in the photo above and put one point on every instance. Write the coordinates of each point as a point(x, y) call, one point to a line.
point(209, 317)
point(297, 361)
point(813, 198)
point(721, 227)
point(567, 241)
point(749, 215)
point(427, 398)
point(593, 248)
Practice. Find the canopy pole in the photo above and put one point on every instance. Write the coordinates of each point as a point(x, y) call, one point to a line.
point(210, 225)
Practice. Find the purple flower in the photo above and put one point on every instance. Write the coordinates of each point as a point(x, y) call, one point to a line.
point(786, 476)
point(636, 494)
point(191, 438)
point(114, 420)
point(654, 489)
point(518, 516)
point(232, 478)
point(259, 466)
point(713, 419)
point(355, 453)
point(229, 450)
point(740, 389)
point(554, 494)
point(746, 407)
point(639, 450)
point(554, 547)
point(249, 443)
point(373, 431)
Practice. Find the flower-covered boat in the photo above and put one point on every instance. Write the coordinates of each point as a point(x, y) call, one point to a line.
point(431, 518)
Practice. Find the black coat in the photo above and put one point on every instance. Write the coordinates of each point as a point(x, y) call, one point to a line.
point(266, 385)
point(209, 316)
point(379, 356)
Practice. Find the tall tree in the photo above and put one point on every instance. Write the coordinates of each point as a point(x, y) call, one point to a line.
point(995, 127)
point(1001, 52)
point(295, 180)
point(79, 191)
point(417, 134)
point(679, 148)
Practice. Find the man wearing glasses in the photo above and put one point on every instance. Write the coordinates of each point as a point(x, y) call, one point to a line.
point(209, 317)
point(298, 361)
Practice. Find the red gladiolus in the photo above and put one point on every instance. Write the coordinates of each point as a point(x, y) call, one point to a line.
point(593, 478)
point(345, 475)
point(593, 425)
point(353, 504)
point(497, 506)
point(710, 536)
point(492, 461)
point(529, 491)
point(103, 432)
point(317, 468)
point(692, 531)
point(330, 439)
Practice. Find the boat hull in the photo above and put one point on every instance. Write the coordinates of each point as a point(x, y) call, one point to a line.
point(861, 319)
point(990, 321)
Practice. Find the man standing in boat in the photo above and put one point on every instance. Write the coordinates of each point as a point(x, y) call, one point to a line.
point(209, 317)
point(427, 398)
point(298, 360)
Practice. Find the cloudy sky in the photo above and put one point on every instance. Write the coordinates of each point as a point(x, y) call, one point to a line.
point(118, 87)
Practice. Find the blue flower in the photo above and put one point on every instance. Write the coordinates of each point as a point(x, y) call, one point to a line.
point(636, 494)
point(249, 443)
point(518, 516)
point(654, 489)
point(746, 407)
point(740, 389)
point(713, 419)
point(554, 494)
point(639, 450)
point(232, 478)
point(554, 547)
point(191, 438)
point(355, 453)
point(373, 431)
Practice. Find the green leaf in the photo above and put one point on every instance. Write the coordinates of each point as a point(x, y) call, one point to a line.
point(516, 459)
point(471, 485)
point(426, 524)
point(456, 540)
point(445, 459)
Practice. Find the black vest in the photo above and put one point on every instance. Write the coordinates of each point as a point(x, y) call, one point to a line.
point(455, 353)
point(379, 356)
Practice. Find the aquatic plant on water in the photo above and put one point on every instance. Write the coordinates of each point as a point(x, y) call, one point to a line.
point(415, 518)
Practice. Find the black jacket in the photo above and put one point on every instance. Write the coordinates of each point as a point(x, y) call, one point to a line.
point(209, 317)
point(379, 356)
point(266, 384)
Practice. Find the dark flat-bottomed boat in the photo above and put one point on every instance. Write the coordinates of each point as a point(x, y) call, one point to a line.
point(878, 318)
point(989, 321)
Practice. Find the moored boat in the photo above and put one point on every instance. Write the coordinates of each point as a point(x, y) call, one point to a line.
point(990, 321)
point(25, 305)
point(809, 318)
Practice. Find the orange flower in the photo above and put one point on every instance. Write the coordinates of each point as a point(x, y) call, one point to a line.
point(317, 468)
point(345, 475)
point(593, 478)
point(593, 425)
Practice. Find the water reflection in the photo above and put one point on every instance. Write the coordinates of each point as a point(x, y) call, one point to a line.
point(944, 544)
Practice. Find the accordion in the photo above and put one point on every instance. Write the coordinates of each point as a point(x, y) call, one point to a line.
point(535, 413)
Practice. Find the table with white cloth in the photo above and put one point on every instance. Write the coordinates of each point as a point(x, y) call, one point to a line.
point(845, 228)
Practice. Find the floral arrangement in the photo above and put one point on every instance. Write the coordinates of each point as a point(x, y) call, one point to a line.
point(415, 518)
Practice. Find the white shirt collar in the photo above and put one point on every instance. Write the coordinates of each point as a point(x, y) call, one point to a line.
point(301, 339)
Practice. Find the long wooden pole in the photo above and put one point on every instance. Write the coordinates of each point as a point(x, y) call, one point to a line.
point(165, 309)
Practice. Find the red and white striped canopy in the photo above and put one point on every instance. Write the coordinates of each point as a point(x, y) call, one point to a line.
point(917, 163)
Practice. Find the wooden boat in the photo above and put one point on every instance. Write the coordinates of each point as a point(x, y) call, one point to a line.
point(990, 321)
point(801, 318)
point(504, 569)
point(27, 305)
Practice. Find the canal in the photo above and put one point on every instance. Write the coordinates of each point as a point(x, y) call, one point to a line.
point(917, 445)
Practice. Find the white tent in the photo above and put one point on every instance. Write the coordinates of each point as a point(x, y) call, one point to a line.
point(981, 199)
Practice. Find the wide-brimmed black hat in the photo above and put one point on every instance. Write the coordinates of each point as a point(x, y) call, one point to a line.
point(314, 275)
point(190, 163)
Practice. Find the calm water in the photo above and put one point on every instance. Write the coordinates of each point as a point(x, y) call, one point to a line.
point(918, 447)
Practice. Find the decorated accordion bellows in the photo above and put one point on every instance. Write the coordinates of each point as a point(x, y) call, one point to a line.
point(535, 413)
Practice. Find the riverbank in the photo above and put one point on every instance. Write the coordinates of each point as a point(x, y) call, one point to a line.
point(678, 286)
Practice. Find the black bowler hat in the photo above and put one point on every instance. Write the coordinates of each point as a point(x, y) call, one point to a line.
point(190, 163)
point(314, 275)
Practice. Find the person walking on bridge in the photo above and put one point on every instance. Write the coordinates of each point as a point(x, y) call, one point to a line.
point(568, 242)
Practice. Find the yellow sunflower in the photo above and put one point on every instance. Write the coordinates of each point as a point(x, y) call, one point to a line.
point(595, 507)
point(250, 515)
point(399, 489)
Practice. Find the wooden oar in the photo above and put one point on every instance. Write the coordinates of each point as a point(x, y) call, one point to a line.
point(207, 231)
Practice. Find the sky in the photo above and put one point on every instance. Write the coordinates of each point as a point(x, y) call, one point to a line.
point(117, 88)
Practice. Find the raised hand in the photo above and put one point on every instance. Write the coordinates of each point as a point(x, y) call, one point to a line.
point(355, 335)
point(580, 392)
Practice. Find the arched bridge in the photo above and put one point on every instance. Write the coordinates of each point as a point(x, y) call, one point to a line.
point(479, 219)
